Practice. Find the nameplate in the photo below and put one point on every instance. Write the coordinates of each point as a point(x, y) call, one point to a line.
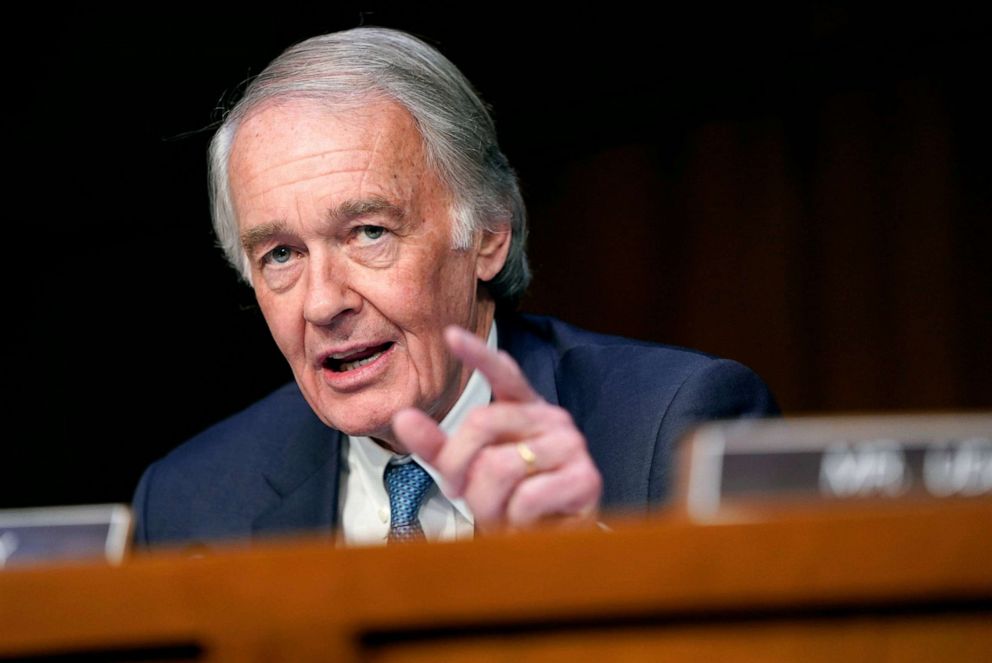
point(56, 534)
point(827, 460)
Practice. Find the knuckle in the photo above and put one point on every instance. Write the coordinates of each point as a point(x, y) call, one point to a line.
point(564, 417)
point(593, 481)
point(527, 498)
point(559, 418)
point(498, 461)
point(586, 491)
point(572, 442)
point(532, 410)
point(570, 445)
point(585, 474)
point(477, 419)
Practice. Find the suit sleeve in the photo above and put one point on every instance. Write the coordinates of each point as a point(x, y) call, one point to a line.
point(719, 389)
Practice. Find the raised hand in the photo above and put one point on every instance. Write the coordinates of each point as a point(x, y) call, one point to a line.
point(518, 461)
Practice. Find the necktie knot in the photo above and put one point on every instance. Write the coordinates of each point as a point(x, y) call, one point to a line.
point(406, 483)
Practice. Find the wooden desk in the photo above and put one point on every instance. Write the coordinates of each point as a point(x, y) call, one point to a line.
point(896, 582)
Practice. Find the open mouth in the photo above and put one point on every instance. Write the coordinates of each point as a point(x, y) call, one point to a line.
point(342, 363)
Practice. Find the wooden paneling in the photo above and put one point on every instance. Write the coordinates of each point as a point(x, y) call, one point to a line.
point(862, 583)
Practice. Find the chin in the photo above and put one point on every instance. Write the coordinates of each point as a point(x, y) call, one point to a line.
point(376, 429)
point(345, 420)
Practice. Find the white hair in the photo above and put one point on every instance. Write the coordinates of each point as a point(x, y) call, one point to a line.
point(348, 69)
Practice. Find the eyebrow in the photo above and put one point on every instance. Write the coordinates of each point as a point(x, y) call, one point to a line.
point(349, 210)
point(354, 209)
point(250, 239)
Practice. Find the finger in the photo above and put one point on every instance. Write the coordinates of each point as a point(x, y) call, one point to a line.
point(491, 425)
point(418, 433)
point(497, 471)
point(504, 375)
point(498, 468)
point(571, 491)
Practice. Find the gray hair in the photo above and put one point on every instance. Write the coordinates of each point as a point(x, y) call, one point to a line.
point(347, 69)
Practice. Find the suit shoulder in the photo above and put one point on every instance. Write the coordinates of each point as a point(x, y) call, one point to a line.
point(246, 433)
point(634, 399)
point(217, 476)
point(566, 338)
point(624, 364)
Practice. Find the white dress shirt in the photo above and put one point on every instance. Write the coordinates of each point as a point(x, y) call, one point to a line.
point(364, 502)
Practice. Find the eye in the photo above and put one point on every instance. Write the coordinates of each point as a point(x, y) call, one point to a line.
point(278, 256)
point(372, 232)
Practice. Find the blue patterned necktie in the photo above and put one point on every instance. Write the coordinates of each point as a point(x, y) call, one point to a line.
point(406, 483)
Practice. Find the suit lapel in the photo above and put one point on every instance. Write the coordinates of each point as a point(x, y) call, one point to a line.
point(305, 477)
point(535, 356)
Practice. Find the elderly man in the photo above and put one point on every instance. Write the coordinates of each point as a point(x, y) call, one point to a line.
point(358, 187)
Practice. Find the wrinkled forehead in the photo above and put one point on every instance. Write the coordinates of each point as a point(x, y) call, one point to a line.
point(294, 132)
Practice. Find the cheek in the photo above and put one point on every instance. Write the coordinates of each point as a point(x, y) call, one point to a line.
point(284, 324)
point(456, 280)
point(412, 289)
point(407, 286)
point(436, 294)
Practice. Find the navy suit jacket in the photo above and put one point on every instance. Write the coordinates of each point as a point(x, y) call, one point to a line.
point(275, 467)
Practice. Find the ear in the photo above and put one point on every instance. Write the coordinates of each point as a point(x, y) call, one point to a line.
point(493, 249)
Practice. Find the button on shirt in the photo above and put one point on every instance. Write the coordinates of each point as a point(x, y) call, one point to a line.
point(363, 501)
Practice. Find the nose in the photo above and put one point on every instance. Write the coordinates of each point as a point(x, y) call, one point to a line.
point(329, 293)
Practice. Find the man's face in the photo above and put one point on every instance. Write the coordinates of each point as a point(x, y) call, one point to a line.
point(348, 233)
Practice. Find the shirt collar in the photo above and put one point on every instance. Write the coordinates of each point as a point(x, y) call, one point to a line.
point(477, 393)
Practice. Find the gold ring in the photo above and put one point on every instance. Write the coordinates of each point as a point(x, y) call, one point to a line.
point(528, 456)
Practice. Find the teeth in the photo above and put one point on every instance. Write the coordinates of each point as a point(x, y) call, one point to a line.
point(361, 362)
point(342, 355)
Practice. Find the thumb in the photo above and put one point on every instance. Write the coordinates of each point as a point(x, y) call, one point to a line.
point(418, 433)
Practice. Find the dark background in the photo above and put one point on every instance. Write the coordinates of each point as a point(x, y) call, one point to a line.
point(808, 192)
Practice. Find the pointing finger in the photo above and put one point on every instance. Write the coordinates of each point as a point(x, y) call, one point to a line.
point(504, 375)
